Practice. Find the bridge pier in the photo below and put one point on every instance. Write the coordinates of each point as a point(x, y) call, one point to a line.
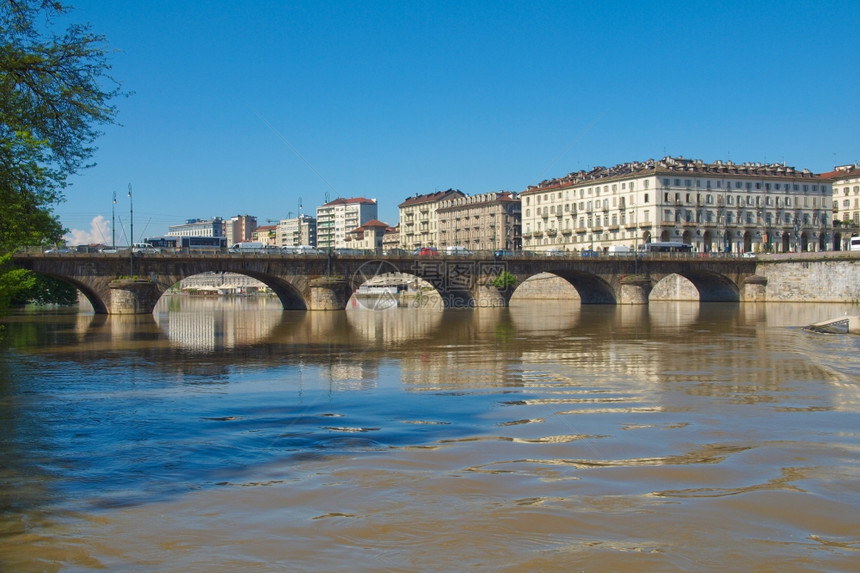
point(754, 289)
point(635, 289)
point(488, 296)
point(329, 293)
point(133, 296)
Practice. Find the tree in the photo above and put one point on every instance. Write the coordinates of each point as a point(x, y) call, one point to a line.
point(55, 90)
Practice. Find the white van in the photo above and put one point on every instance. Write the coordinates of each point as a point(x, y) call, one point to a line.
point(247, 247)
point(854, 244)
point(457, 250)
point(619, 250)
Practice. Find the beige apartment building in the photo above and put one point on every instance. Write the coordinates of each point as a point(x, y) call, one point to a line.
point(419, 221)
point(845, 180)
point(486, 222)
point(368, 237)
point(301, 230)
point(714, 207)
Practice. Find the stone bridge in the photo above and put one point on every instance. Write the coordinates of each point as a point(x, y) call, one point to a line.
point(132, 284)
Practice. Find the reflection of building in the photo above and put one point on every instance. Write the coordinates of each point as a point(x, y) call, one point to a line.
point(198, 228)
point(418, 218)
point(846, 201)
point(336, 218)
point(301, 230)
point(219, 323)
point(480, 222)
point(218, 282)
point(712, 206)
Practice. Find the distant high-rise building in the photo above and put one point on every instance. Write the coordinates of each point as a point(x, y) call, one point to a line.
point(240, 228)
point(300, 230)
point(336, 218)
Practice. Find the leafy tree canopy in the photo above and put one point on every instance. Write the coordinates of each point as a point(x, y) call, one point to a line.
point(55, 91)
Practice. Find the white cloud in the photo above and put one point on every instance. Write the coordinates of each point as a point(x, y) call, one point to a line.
point(99, 233)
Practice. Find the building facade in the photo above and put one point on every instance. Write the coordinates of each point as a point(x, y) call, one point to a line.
point(301, 230)
point(265, 234)
point(845, 180)
point(336, 218)
point(368, 236)
point(198, 228)
point(419, 219)
point(240, 228)
point(715, 207)
point(486, 222)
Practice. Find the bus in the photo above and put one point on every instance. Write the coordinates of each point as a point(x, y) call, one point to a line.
point(189, 243)
point(667, 247)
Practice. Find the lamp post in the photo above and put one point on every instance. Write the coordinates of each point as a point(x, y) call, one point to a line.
point(113, 223)
point(131, 234)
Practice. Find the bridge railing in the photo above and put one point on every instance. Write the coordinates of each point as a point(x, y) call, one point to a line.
point(402, 253)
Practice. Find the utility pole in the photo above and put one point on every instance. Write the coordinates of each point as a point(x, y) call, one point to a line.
point(113, 223)
point(131, 233)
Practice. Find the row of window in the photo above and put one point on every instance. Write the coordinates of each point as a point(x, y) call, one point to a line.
point(688, 183)
point(688, 216)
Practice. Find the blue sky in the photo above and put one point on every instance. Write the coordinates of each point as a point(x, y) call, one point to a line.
point(254, 107)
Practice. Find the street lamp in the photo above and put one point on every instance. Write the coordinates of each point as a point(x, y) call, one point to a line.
point(113, 223)
point(131, 234)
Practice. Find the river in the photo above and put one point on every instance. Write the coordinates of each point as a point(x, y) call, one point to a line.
point(226, 435)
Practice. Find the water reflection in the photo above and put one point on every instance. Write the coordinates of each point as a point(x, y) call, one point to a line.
point(496, 434)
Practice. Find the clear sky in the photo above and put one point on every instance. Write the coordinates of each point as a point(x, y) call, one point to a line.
point(256, 107)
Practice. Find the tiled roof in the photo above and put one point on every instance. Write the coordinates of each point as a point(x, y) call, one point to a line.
point(432, 197)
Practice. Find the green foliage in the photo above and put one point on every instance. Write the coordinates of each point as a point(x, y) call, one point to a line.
point(55, 88)
point(45, 290)
point(504, 280)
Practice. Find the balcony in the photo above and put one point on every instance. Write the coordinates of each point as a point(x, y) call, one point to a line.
point(551, 232)
point(614, 228)
point(566, 232)
point(581, 230)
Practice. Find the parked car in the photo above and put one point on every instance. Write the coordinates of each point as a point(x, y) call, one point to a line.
point(556, 253)
point(590, 253)
point(395, 252)
point(426, 252)
point(144, 249)
point(58, 251)
point(503, 253)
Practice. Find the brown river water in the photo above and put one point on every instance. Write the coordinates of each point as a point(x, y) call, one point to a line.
point(228, 435)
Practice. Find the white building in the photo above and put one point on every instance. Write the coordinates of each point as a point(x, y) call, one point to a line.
point(198, 228)
point(336, 218)
point(720, 206)
point(845, 180)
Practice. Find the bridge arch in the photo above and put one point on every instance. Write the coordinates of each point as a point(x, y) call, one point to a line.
point(591, 288)
point(711, 286)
